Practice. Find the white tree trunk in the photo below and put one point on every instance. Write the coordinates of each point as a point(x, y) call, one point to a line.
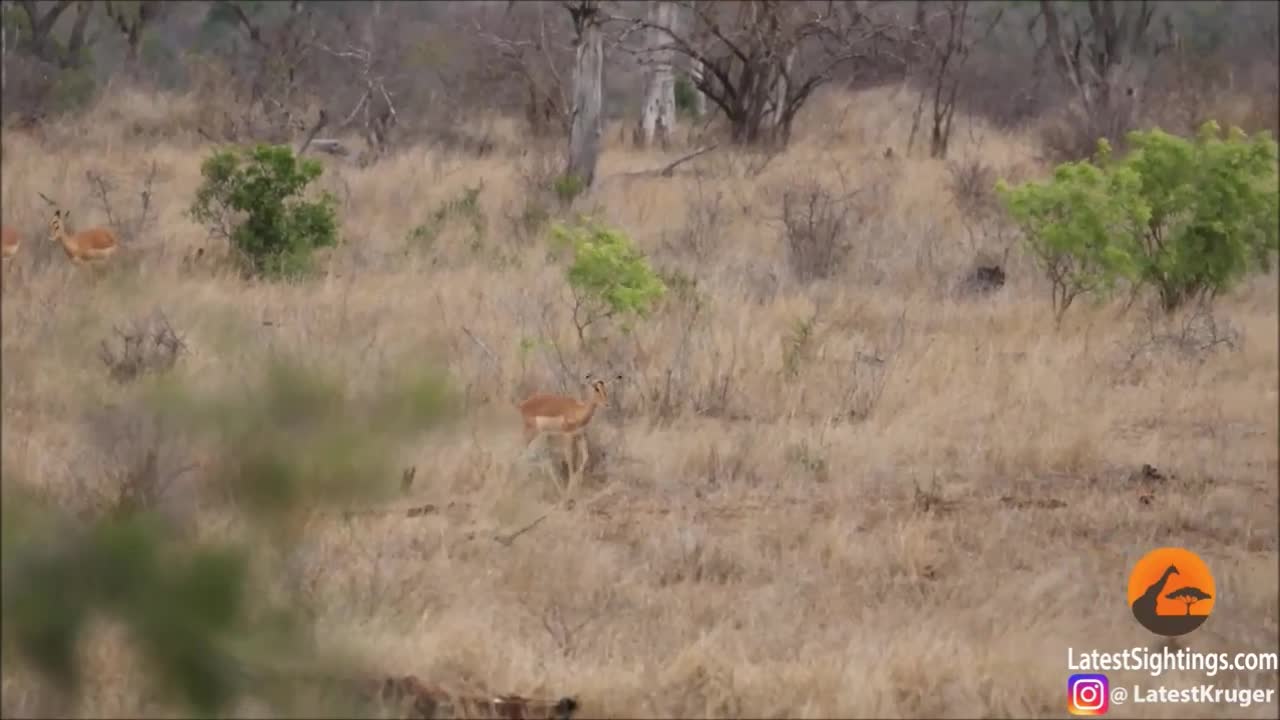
point(4, 57)
point(699, 98)
point(658, 115)
point(588, 94)
point(780, 89)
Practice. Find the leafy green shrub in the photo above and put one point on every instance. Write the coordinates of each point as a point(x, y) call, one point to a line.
point(254, 200)
point(608, 276)
point(291, 443)
point(1079, 227)
point(1188, 218)
point(1214, 207)
point(567, 188)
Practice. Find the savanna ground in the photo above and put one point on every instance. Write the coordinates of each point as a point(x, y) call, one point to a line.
point(862, 495)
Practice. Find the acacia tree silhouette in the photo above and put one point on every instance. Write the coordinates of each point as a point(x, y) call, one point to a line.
point(1188, 595)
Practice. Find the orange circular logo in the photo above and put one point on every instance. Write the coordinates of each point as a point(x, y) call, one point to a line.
point(1171, 591)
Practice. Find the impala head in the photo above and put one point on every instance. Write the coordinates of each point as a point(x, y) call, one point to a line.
point(600, 389)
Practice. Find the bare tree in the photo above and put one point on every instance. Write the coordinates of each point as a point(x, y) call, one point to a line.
point(4, 51)
point(946, 50)
point(537, 52)
point(375, 108)
point(279, 51)
point(588, 90)
point(39, 38)
point(658, 114)
point(132, 19)
point(759, 61)
point(1096, 48)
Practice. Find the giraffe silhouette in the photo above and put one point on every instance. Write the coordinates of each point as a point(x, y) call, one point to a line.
point(1144, 610)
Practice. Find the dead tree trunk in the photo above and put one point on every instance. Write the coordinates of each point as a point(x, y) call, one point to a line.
point(132, 22)
point(1098, 60)
point(588, 92)
point(699, 77)
point(777, 119)
point(4, 58)
point(658, 115)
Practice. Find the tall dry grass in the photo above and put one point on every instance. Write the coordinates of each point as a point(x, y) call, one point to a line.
point(912, 508)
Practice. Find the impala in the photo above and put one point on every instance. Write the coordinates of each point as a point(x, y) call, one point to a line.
point(95, 244)
point(566, 417)
point(10, 240)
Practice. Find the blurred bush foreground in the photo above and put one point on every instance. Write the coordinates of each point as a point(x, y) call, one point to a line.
point(210, 611)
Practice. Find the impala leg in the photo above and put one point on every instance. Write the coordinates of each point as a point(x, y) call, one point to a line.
point(548, 460)
point(568, 461)
point(586, 456)
point(554, 472)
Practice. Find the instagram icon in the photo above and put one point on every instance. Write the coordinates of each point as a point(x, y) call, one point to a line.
point(1088, 694)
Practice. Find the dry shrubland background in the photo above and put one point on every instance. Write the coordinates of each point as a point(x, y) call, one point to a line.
point(845, 474)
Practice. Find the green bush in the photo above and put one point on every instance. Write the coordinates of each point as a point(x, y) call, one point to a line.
point(1188, 218)
point(608, 276)
point(567, 189)
point(1077, 226)
point(202, 613)
point(254, 199)
point(1214, 209)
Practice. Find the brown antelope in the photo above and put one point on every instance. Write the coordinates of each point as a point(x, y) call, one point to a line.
point(10, 240)
point(566, 417)
point(92, 245)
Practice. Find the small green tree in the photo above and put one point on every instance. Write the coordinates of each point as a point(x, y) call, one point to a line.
point(1078, 226)
point(1187, 217)
point(608, 276)
point(255, 201)
point(1214, 206)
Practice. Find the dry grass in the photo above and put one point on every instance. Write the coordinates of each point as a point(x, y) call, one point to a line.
point(871, 534)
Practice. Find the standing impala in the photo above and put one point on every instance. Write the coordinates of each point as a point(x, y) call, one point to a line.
point(92, 245)
point(567, 417)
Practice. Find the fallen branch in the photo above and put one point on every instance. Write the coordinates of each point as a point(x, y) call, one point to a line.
point(330, 146)
point(507, 539)
point(669, 169)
